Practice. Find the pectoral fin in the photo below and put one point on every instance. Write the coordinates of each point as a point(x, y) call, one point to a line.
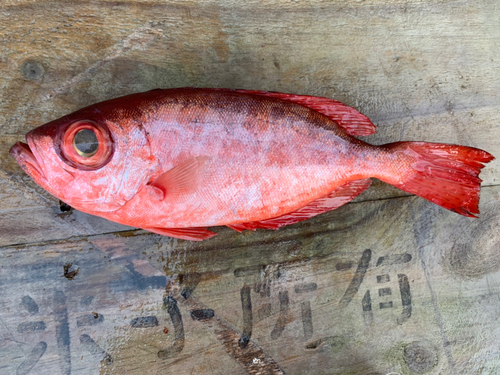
point(335, 199)
point(181, 180)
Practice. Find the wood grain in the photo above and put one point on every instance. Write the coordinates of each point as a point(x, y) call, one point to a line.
point(390, 283)
point(375, 287)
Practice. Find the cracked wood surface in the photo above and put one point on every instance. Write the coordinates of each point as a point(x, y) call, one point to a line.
point(390, 283)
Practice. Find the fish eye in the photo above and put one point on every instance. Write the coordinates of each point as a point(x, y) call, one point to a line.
point(86, 143)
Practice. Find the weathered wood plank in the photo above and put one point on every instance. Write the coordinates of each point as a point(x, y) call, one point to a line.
point(420, 70)
point(392, 285)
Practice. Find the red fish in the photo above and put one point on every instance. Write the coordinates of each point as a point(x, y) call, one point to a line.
point(177, 161)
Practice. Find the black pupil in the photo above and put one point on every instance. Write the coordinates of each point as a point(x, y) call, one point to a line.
point(86, 142)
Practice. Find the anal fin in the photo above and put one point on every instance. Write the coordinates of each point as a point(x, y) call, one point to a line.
point(191, 234)
point(335, 199)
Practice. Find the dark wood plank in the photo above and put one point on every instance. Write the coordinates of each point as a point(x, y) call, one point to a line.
point(421, 71)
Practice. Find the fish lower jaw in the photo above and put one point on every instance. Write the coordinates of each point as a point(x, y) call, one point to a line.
point(25, 158)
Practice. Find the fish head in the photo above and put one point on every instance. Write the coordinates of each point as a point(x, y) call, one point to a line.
point(91, 160)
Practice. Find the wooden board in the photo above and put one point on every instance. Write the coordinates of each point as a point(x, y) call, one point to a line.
point(373, 288)
point(389, 284)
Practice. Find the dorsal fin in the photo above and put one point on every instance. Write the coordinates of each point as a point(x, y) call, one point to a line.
point(335, 199)
point(352, 121)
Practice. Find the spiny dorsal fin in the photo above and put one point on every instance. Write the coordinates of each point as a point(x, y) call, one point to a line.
point(352, 121)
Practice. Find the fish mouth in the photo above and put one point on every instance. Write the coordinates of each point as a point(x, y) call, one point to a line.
point(27, 160)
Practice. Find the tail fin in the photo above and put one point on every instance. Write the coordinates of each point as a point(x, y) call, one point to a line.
point(447, 175)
